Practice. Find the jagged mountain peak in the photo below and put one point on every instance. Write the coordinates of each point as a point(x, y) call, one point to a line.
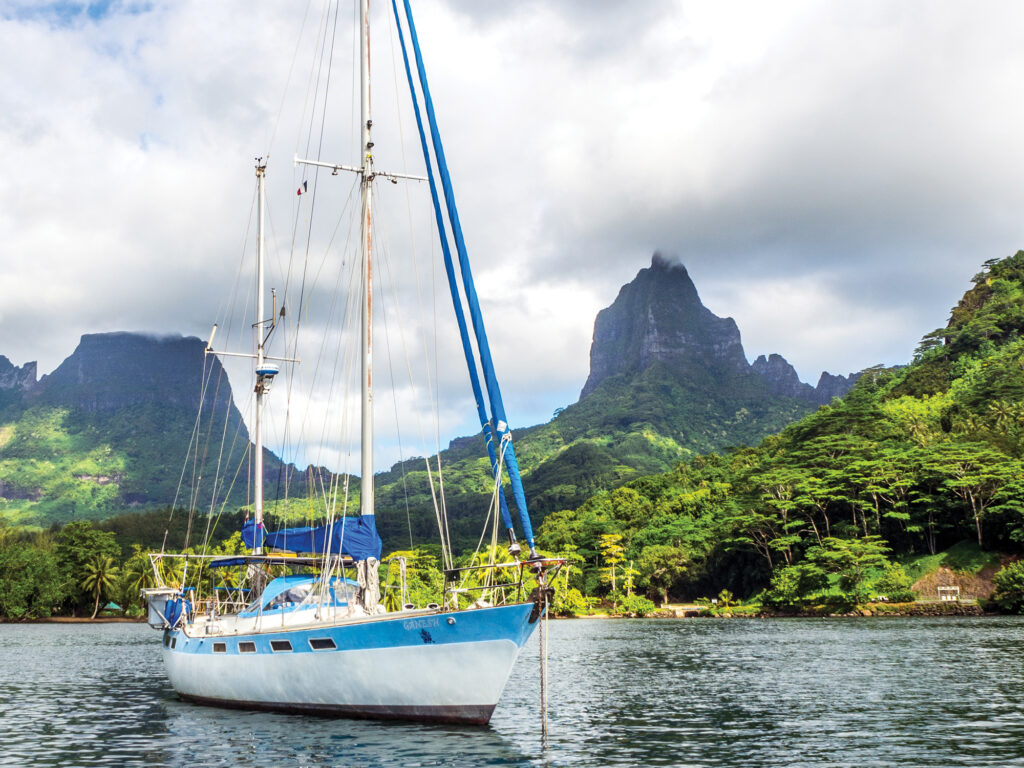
point(659, 317)
point(781, 377)
point(831, 386)
point(115, 422)
point(13, 377)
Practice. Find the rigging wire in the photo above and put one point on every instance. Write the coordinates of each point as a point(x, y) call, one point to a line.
point(198, 458)
point(288, 79)
point(394, 400)
point(316, 175)
point(442, 520)
point(332, 309)
point(432, 384)
point(324, 57)
point(491, 511)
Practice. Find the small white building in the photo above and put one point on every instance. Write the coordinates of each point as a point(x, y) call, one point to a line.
point(949, 594)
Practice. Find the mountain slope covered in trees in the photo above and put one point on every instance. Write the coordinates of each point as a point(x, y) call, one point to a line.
point(669, 380)
point(911, 461)
point(108, 431)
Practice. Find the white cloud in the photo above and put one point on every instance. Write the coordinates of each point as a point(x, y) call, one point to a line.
point(831, 175)
point(825, 327)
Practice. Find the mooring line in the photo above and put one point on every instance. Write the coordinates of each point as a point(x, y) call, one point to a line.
point(543, 668)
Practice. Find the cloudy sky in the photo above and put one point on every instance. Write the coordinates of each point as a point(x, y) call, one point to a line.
point(832, 174)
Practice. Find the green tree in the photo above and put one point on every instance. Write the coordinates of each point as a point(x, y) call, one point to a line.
point(777, 485)
point(895, 584)
point(30, 582)
point(612, 553)
point(570, 602)
point(629, 574)
point(661, 565)
point(100, 577)
point(1009, 584)
point(79, 544)
point(850, 559)
point(758, 530)
point(135, 575)
point(637, 605)
point(795, 585)
point(974, 473)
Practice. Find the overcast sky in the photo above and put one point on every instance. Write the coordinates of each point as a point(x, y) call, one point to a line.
point(831, 174)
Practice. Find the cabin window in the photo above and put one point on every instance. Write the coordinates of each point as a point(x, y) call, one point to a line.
point(291, 596)
point(245, 647)
point(167, 640)
point(174, 641)
point(280, 645)
point(322, 644)
point(220, 648)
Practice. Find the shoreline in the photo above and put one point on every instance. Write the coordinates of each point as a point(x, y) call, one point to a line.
point(77, 620)
point(894, 610)
point(871, 610)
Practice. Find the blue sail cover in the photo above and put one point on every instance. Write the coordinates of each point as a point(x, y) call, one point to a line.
point(352, 536)
point(249, 536)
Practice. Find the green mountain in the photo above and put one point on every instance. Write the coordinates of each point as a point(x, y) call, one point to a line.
point(669, 380)
point(109, 430)
point(913, 461)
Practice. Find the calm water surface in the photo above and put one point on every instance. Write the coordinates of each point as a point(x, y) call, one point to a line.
point(785, 692)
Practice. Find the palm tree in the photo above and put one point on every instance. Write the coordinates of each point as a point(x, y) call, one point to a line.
point(136, 575)
point(99, 577)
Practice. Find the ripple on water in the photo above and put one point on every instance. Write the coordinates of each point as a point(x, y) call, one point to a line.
point(794, 692)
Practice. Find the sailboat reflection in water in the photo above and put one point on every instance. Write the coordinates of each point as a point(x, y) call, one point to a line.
point(298, 623)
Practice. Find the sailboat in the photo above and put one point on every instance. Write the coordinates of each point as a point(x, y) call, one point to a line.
point(297, 622)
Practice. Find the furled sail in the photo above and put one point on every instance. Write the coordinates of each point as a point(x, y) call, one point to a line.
point(496, 427)
point(353, 536)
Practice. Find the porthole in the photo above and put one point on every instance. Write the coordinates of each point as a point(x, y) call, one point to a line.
point(322, 644)
point(220, 648)
point(246, 647)
point(280, 646)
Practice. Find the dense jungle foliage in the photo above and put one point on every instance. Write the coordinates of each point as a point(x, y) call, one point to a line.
point(840, 507)
point(911, 461)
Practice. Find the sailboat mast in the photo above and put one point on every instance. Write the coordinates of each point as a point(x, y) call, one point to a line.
point(257, 429)
point(366, 443)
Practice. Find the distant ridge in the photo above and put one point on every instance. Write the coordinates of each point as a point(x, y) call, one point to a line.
point(659, 317)
point(107, 432)
point(110, 428)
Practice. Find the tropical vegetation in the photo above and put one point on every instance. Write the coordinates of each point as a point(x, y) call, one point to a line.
point(912, 461)
point(852, 503)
